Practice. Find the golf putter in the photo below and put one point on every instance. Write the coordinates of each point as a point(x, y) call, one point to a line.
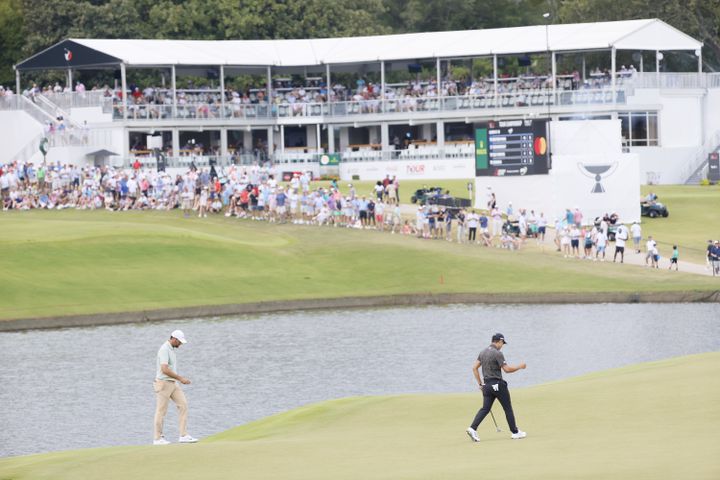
point(495, 422)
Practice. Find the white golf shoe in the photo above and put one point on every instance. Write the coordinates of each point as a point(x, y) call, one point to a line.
point(472, 434)
point(161, 441)
point(187, 439)
point(520, 434)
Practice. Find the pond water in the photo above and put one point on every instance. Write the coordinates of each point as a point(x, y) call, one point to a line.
point(90, 387)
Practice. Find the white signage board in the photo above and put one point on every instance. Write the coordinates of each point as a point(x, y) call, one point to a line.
point(589, 171)
point(408, 169)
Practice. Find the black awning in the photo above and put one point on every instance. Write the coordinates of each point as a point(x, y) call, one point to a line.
point(68, 54)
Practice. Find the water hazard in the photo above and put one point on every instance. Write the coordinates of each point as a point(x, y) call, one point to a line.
point(76, 388)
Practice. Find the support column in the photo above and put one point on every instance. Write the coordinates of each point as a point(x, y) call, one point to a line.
point(222, 94)
point(613, 68)
point(584, 71)
point(17, 84)
point(657, 67)
point(126, 143)
point(268, 86)
point(247, 141)
point(123, 83)
point(554, 74)
point(175, 142)
point(318, 146)
point(440, 134)
point(328, 80)
point(70, 79)
point(223, 142)
point(642, 69)
point(699, 55)
point(282, 138)
point(270, 141)
point(384, 136)
point(495, 78)
point(382, 80)
point(438, 76)
point(331, 138)
point(173, 85)
point(344, 138)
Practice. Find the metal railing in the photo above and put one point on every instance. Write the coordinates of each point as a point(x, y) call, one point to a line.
point(10, 102)
point(519, 99)
point(671, 80)
point(31, 148)
point(712, 80)
point(34, 110)
point(68, 100)
point(190, 161)
point(449, 152)
point(80, 137)
point(54, 110)
point(697, 160)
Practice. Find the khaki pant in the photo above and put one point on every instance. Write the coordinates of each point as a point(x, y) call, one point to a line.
point(164, 392)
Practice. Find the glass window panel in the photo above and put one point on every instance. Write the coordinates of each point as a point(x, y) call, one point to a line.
point(652, 128)
point(638, 125)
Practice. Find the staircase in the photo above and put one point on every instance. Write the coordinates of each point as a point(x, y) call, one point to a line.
point(54, 110)
point(695, 170)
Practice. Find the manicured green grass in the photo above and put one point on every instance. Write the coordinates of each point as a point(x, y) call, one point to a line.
point(79, 262)
point(457, 188)
point(653, 420)
point(694, 219)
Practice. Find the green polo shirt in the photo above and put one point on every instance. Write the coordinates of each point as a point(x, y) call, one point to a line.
point(166, 354)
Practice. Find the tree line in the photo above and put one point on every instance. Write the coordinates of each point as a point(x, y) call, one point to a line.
point(29, 26)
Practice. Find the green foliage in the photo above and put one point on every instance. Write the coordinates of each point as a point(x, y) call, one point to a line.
point(698, 18)
point(11, 39)
point(29, 26)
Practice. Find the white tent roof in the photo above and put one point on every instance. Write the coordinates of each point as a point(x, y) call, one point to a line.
point(649, 34)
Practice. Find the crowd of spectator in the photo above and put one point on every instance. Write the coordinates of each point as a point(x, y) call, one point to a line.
point(295, 95)
point(253, 192)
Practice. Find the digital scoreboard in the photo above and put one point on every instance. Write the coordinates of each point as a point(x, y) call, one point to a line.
point(512, 147)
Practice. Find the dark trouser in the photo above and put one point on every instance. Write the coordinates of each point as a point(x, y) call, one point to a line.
point(471, 235)
point(489, 395)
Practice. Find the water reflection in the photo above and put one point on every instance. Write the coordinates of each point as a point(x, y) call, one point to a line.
point(74, 388)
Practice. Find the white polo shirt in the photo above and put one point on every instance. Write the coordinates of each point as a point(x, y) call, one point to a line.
point(166, 355)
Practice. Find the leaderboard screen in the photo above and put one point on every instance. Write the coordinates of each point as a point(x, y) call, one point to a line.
point(511, 147)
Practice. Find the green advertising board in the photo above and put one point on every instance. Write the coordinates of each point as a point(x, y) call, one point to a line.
point(330, 160)
point(481, 149)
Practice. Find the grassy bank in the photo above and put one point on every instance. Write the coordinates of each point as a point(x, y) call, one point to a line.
point(80, 262)
point(654, 420)
point(694, 219)
point(456, 187)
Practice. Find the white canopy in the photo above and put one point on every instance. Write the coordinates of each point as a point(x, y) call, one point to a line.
point(648, 34)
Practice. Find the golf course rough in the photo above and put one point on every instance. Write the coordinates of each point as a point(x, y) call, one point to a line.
point(656, 420)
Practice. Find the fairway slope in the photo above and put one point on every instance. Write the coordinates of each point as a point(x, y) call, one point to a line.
point(653, 420)
point(73, 263)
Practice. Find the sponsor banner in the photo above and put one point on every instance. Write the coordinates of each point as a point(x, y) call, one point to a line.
point(330, 160)
point(406, 169)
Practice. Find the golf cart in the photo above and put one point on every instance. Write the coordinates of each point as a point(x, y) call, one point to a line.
point(435, 196)
point(653, 210)
point(422, 195)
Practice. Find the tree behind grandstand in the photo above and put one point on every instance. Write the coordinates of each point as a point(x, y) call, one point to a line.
point(29, 26)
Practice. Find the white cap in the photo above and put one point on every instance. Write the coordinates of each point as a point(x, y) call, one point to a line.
point(179, 335)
